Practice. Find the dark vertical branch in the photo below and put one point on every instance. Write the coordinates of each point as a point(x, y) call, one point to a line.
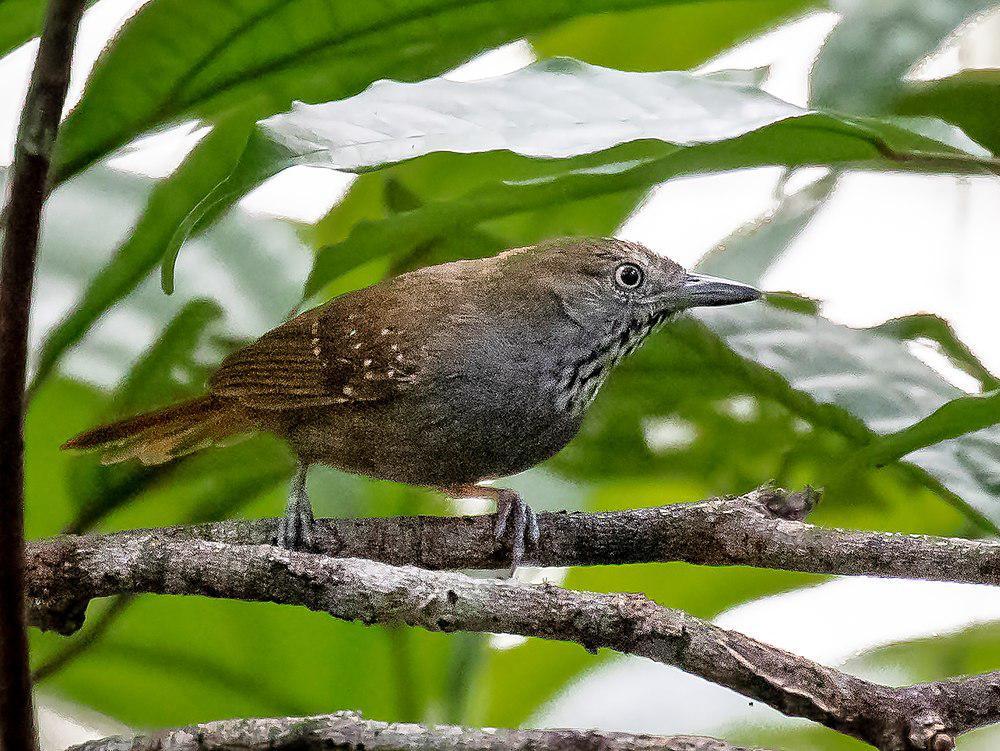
point(27, 187)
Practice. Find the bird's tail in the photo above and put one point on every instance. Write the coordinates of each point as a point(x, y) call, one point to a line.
point(164, 434)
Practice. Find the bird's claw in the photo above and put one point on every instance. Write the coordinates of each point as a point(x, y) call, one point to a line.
point(516, 522)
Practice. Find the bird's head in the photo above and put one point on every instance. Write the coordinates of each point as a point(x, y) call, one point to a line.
point(605, 283)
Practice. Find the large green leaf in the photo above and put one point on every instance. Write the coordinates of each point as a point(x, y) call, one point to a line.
point(860, 66)
point(554, 109)
point(560, 109)
point(177, 59)
point(20, 20)
point(557, 108)
point(970, 99)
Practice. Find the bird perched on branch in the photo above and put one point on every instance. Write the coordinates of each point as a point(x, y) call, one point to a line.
point(444, 377)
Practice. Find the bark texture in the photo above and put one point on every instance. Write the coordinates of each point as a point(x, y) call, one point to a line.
point(348, 730)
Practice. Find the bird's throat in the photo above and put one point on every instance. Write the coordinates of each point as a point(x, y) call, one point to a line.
point(581, 379)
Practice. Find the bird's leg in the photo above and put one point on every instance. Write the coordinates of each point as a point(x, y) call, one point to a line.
point(516, 523)
point(295, 530)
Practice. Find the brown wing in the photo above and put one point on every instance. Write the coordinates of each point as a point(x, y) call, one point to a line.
point(335, 354)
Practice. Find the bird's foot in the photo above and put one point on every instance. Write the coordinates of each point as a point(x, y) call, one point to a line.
point(516, 524)
point(295, 530)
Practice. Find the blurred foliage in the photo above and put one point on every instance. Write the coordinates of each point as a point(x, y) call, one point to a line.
point(717, 404)
point(167, 206)
point(752, 249)
point(866, 55)
point(673, 37)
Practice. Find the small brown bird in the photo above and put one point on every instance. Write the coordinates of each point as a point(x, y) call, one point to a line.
point(444, 377)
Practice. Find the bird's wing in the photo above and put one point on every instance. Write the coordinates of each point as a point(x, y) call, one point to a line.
point(324, 357)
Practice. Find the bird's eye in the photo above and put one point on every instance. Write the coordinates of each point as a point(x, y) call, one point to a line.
point(628, 276)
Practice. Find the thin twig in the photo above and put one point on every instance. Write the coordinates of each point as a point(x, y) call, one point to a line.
point(21, 218)
point(350, 730)
point(69, 572)
point(762, 528)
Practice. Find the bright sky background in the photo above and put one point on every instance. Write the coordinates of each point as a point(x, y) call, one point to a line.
point(885, 245)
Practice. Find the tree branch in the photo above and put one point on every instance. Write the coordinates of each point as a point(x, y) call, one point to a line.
point(761, 529)
point(351, 730)
point(69, 572)
point(21, 218)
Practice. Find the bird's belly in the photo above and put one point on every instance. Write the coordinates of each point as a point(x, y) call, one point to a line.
point(422, 442)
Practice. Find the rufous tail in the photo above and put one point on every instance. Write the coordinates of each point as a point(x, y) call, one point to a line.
point(164, 434)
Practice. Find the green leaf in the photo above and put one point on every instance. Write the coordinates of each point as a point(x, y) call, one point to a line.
point(557, 108)
point(966, 414)
point(20, 20)
point(199, 669)
point(969, 651)
point(970, 100)
point(860, 66)
point(674, 37)
point(748, 253)
point(176, 59)
point(560, 109)
point(169, 371)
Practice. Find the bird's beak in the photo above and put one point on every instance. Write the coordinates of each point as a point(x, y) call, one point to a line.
point(699, 290)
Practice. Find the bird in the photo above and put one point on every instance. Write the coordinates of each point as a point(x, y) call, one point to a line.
point(448, 377)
